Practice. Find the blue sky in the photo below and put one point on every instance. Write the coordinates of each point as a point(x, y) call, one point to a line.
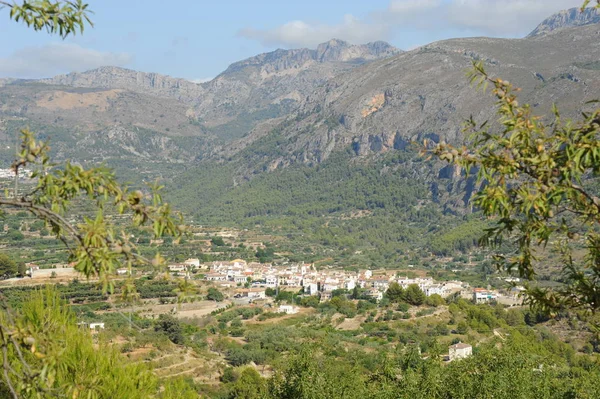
point(197, 39)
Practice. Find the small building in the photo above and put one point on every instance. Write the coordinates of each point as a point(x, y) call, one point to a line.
point(122, 271)
point(177, 268)
point(459, 351)
point(375, 294)
point(438, 289)
point(240, 279)
point(271, 281)
point(193, 262)
point(325, 296)
point(288, 309)
point(481, 295)
point(215, 277)
point(311, 289)
point(96, 326)
point(257, 293)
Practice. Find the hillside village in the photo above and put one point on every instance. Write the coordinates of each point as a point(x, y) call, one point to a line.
point(251, 279)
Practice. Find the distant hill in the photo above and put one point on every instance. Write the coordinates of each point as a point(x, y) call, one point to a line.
point(567, 19)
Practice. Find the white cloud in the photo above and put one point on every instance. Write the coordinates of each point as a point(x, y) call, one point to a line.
point(303, 34)
point(56, 58)
point(504, 17)
point(513, 18)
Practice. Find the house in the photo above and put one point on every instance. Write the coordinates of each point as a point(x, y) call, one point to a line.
point(271, 281)
point(91, 326)
point(376, 294)
point(192, 262)
point(252, 293)
point(481, 295)
point(215, 277)
point(381, 284)
point(325, 296)
point(240, 279)
point(350, 284)
point(177, 268)
point(96, 326)
point(288, 309)
point(122, 271)
point(438, 289)
point(311, 288)
point(459, 351)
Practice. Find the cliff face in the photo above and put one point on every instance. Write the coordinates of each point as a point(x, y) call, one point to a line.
point(110, 77)
point(251, 90)
point(386, 104)
point(566, 19)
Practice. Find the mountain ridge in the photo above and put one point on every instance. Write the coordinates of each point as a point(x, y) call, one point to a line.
point(566, 19)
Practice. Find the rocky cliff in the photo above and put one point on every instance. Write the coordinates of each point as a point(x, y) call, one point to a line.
point(251, 90)
point(566, 19)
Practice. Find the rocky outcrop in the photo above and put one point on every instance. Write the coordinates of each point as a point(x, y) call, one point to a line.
point(565, 19)
point(247, 92)
point(110, 77)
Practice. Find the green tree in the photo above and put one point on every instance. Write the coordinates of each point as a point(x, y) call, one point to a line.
point(48, 356)
point(414, 295)
point(8, 267)
point(215, 295)
point(171, 327)
point(435, 300)
point(62, 17)
point(21, 269)
point(395, 292)
point(537, 185)
point(250, 385)
point(33, 365)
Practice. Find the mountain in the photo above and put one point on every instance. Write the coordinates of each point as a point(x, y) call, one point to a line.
point(386, 104)
point(258, 88)
point(314, 142)
point(566, 19)
point(342, 169)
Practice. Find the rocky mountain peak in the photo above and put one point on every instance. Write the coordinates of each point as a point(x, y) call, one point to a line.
point(565, 19)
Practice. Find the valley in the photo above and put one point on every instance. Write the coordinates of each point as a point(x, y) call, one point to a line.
point(324, 227)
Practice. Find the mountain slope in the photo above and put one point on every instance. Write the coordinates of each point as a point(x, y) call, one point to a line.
point(258, 88)
point(329, 172)
point(567, 19)
point(386, 104)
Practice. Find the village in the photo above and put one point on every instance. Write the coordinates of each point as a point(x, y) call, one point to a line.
point(251, 280)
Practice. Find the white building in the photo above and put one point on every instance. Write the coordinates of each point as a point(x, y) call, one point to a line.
point(215, 277)
point(438, 289)
point(311, 288)
point(481, 295)
point(193, 262)
point(378, 295)
point(271, 281)
point(288, 309)
point(459, 351)
point(176, 268)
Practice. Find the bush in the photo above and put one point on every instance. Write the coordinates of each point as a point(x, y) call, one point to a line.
point(171, 327)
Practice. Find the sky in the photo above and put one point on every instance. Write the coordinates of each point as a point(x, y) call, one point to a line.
point(198, 39)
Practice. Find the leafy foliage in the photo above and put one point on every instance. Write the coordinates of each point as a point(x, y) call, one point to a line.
point(62, 17)
point(538, 187)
